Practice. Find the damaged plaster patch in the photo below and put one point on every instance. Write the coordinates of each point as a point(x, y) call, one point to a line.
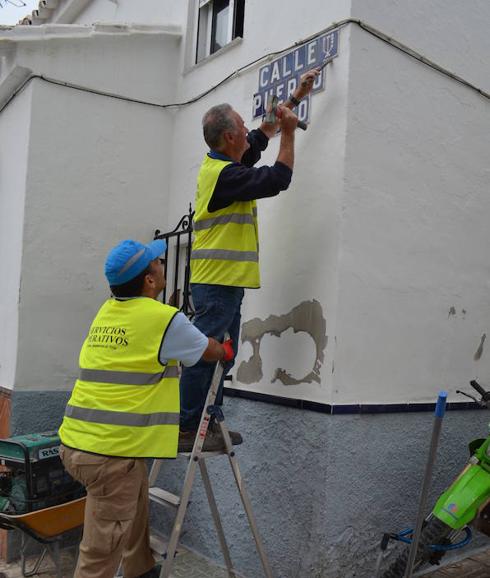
point(479, 351)
point(307, 317)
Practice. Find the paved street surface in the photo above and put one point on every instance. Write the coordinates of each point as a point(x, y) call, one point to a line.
point(187, 565)
point(475, 566)
point(190, 565)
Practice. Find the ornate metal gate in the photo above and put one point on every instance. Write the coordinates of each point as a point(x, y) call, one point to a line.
point(177, 264)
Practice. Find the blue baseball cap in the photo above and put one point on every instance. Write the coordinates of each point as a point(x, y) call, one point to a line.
point(130, 258)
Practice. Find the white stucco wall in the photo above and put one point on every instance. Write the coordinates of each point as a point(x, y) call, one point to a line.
point(98, 173)
point(389, 180)
point(414, 269)
point(14, 155)
point(450, 33)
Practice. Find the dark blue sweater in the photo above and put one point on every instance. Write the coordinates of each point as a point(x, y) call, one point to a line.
point(242, 182)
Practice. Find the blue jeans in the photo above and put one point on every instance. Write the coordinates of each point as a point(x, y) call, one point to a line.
point(217, 312)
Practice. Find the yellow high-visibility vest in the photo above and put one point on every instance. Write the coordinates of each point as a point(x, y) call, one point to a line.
point(226, 242)
point(125, 402)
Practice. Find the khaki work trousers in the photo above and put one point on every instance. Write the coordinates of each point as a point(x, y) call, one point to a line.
point(116, 514)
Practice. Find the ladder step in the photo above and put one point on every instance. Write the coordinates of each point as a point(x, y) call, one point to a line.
point(159, 545)
point(204, 454)
point(164, 498)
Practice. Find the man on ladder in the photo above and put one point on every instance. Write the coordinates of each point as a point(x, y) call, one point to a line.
point(125, 407)
point(225, 252)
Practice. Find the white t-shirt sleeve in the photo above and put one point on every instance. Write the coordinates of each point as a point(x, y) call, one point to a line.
point(183, 342)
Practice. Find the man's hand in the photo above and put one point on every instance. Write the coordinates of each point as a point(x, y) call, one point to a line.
point(229, 354)
point(270, 128)
point(287, 119)
point(306, 83)
point(304, 88)
point(217, 351)
point(288, 124)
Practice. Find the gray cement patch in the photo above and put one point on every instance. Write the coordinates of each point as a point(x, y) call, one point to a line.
point(307, 317)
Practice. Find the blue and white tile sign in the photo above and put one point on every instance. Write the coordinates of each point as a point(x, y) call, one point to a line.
point(280, 77)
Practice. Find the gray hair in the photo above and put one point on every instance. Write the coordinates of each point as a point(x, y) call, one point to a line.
point(215, 122)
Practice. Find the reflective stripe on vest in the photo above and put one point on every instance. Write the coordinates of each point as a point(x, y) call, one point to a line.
point(238, 218)
point(126, 377)
point(125, 403)
point(122, 418)
point(225, 247)
point(225, 254)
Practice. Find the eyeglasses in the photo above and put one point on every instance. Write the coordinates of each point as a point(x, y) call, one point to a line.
point(162, 261)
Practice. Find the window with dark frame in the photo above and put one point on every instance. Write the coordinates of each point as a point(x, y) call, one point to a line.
point(219, 22)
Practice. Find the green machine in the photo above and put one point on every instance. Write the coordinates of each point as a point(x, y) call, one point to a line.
point(32, 476)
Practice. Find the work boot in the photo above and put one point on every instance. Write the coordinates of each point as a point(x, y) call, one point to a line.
point(214, 441)
point(153, 573)
point(186, 441)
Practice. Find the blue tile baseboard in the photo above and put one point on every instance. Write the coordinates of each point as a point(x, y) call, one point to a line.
point(339, 409)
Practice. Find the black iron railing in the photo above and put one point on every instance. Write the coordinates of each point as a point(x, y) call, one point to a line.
point(177, 264)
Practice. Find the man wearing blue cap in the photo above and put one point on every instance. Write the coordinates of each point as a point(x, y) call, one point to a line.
point(125, 407)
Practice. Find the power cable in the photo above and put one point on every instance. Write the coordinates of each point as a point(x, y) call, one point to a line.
point(336, 25)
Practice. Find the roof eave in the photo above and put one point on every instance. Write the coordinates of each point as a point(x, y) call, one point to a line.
point(59, 11)
point(16, 34)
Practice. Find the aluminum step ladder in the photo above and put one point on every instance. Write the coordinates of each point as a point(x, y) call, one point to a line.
point(197, 458)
